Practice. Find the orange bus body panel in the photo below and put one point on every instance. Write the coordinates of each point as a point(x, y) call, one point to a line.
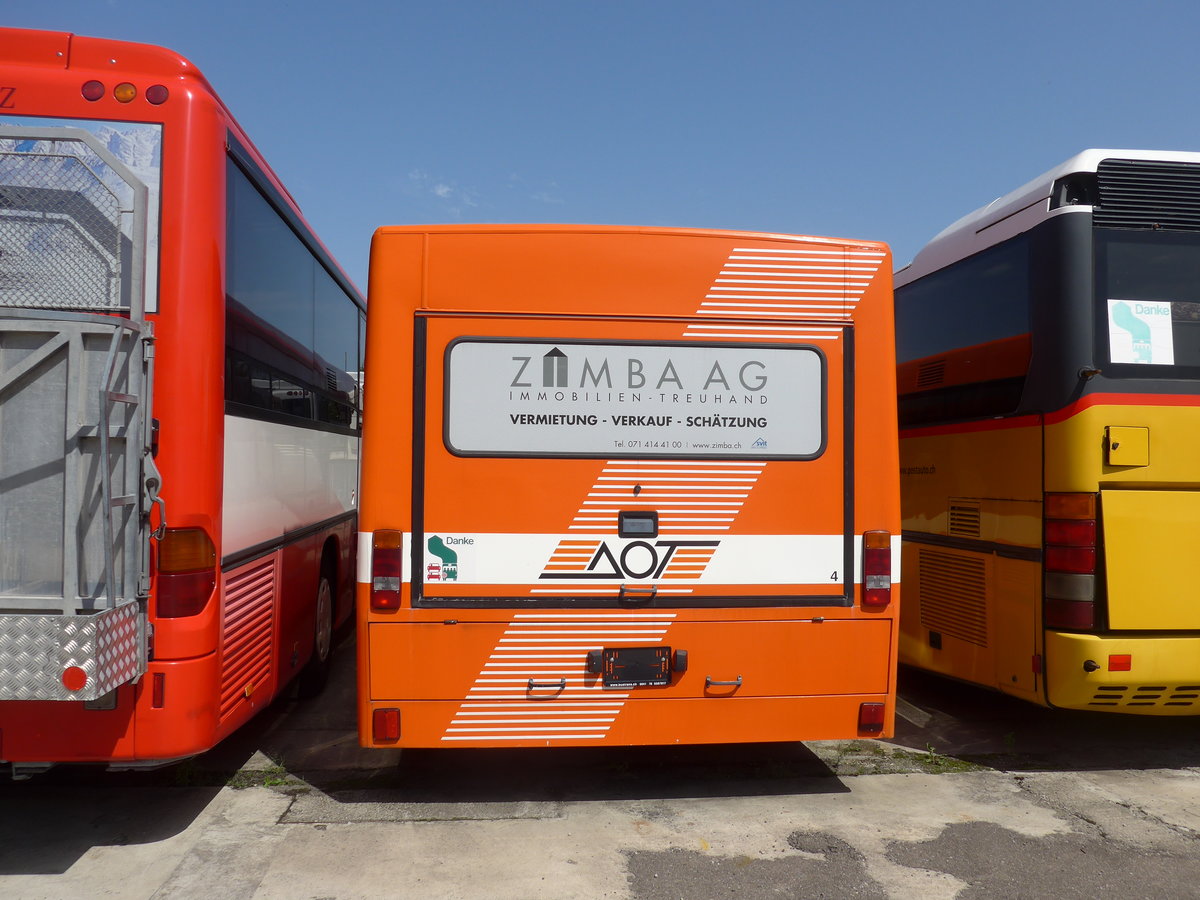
point(638, 348)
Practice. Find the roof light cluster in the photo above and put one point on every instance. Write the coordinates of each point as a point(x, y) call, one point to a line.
point(125, 92)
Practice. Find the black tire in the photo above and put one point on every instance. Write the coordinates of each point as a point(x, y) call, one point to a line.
point(315, 674)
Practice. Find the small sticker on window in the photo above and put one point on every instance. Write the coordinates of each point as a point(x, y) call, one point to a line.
point(1139, 331)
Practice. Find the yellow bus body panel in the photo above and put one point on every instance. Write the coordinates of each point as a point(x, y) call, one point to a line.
point(1151, 565)
point(1163, 680)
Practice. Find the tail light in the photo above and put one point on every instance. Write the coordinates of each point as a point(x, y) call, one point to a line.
point(877, 569)
point(187, 572)
point(1069, 598)
point(870, 718)
point(387, 568)
point(385, 725)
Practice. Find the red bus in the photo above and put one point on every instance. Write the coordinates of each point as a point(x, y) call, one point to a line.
point(179, 414)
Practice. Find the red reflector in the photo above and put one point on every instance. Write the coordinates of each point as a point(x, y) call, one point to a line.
point(159, 691)
point(870, 718)
point(385, 725)
point(1077, 614)
point(157, 94)
point(1120, 662)
point(74, 678)
point(93, 90)
point(1071, 532)
point(1072, 560)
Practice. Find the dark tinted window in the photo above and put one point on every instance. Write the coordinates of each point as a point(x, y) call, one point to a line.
point(980, 299)
point(962, 337)
point(293, 335)
point(1148, 285)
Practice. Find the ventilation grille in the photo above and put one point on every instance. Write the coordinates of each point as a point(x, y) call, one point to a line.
point(965, 519)
point(247, 629)
point(931, 373)
point(1148, 194)
point(1141, 696)
point(953, 595)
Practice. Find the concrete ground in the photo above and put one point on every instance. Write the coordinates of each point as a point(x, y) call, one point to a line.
point(977, 796)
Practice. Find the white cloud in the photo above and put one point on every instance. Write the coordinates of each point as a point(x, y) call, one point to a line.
point(455, 197)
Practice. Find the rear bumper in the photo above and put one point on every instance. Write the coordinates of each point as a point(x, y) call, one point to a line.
point(1163, 678)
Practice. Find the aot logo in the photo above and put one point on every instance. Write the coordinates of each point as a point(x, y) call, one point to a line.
point(635, 560)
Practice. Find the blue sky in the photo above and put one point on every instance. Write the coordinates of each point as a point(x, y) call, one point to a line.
point(874, 120)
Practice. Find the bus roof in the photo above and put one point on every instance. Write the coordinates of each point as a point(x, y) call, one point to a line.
point(1017, 211)
point(575, 228)
point(65, 50)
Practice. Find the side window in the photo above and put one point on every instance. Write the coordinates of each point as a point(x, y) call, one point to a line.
point(962, 337)
point(293, 335)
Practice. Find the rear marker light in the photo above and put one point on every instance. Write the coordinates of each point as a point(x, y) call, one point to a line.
point(877, 569)
point(385, 725)
point(93, 90)
point(157, 94)
point(124, 92)
point(387, 569)
point(870, 718)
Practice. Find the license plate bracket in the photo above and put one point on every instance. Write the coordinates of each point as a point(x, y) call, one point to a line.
point(629, 667)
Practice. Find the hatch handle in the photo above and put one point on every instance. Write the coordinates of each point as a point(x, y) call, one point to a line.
point(637, 594)
point(709, 682)
point(560, 685)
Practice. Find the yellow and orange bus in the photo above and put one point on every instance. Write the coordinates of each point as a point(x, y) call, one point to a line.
point(178, 413)
point(626, 486)
point(1049, 357)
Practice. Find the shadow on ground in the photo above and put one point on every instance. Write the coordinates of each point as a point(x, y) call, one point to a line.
point(311, 747)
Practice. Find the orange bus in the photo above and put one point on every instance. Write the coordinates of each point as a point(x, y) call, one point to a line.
point(179, 419)
point(626, 486)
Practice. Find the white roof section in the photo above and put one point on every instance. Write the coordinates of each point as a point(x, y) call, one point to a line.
point(1018, 211)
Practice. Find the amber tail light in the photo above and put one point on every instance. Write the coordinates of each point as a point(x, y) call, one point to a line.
point(187, 572)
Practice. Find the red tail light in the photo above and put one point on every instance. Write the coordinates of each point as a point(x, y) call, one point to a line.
point(387, 569)
point(1076, 615)
point(385, 725)
point(1070, 561)
point(877, 569)
point(870, 718)
point(187, 572)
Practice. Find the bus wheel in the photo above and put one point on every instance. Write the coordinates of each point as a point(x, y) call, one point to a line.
point(316, 672)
